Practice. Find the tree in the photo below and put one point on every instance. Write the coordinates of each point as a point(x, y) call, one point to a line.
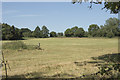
point(114, 7)
point(93, 30)
point(53, 34)
point(112, 22)
point(110, 27)
point(79, 32)
point(60, 34)
point(17, 35)
point(110, 35)
point(45, 32)
point(26, 32)
point(86, 34)
point(68, 33)
point(10, 32)
point(73, 30)
point(37, 32)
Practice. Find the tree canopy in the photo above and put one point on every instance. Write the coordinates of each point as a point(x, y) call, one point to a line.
point(79, 32)
point(37, 32)
point(26, 32)
point(45, 32)
point(114, 7)
point(53, 34)
point(10, 32)
point(93, 30)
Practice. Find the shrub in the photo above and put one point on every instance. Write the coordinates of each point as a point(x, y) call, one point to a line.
point(110, 34)
point(14, 45)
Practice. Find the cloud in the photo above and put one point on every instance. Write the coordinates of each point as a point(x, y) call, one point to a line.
point(28, 15)
point(9, 11)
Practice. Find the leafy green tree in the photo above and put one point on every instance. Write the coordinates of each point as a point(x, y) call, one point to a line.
point(68, 33)
point(26, 32)
point(93, 30)
point(112, 26)
point(86, 34)
point(17, 34)
point(60, 34)
point(45, 32)
point(53, 34)
point(110, 35)
point(114, 7)
point(103, 31)
point(10, 32)
point(37, 32)
point(80, 32)
point(73, 30)
point(6, 34)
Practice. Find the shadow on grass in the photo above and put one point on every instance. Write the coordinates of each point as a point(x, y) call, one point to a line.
point(62, 75)
point(39, 76)
point(54, 77)
point(24, 76)
point(115, 58)
point(108, 64)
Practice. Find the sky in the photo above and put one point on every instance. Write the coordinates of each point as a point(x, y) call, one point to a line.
point(56, 16)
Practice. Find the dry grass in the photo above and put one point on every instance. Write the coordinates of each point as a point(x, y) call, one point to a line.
point(59, 56)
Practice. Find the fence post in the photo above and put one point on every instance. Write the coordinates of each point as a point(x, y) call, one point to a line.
point(5, 65)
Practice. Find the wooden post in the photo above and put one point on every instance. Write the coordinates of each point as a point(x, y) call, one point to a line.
point(5, 65)
point(39, 45)
point(5, 70)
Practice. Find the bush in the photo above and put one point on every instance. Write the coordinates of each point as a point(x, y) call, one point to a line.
point(53, 34)
point(110, 34)
point(14, 45)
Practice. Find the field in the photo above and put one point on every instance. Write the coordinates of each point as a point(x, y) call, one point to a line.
point(60, 57)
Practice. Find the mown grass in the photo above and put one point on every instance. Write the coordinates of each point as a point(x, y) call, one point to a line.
point(58, 57)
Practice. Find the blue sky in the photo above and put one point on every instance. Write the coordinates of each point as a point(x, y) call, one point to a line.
point(57, 16)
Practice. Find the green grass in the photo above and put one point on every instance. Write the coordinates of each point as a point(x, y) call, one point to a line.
point(14, 45)
point(18, 45)
point(58, 57)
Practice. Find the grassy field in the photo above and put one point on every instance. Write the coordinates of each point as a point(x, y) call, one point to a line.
point(60, 57)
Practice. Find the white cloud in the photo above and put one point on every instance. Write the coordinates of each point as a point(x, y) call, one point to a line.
point(28, 15)
point(9, 11)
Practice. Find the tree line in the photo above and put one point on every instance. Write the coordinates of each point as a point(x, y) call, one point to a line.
point(109, 29)
point(13, 33)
